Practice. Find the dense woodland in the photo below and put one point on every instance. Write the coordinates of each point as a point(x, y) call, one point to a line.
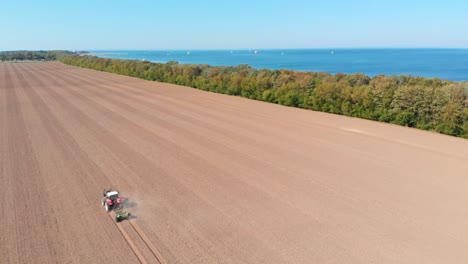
point(24, 55)
point(430, 104)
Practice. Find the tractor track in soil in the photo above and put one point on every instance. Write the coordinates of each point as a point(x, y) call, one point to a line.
point(155, 256)
point(215, 178)
point(148, 243)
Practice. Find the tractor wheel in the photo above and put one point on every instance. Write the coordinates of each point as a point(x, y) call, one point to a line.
point(103, 202)
point(107, 208)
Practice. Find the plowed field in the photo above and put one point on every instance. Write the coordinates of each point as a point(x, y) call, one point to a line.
point(215, 179)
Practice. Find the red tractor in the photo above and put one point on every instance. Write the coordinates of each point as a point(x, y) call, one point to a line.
point(112, 202)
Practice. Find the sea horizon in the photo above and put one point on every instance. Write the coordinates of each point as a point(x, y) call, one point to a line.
point(443, 63)
point(324, 48)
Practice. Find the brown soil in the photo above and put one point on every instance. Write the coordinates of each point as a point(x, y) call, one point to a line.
point(215, 179)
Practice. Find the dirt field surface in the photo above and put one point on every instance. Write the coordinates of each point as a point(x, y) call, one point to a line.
point(215, 179)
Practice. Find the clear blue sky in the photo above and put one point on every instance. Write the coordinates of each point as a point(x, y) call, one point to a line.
point(203, 24)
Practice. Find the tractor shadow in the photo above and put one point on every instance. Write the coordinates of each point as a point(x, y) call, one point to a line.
point(132, 216)
point(127, 203)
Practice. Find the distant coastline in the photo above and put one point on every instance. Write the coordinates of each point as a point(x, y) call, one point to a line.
point(441, 63)
point(105, 53)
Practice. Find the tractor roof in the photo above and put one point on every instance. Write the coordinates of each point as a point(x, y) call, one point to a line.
point(112, 193)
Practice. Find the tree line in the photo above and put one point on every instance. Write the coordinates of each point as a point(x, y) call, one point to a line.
point(24, 55)
point(425, 103)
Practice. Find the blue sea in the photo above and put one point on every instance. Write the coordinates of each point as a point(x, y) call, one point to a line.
point(449, 64)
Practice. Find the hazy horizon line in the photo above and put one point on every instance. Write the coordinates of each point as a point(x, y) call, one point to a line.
point(233, 49)
point(259, 48)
